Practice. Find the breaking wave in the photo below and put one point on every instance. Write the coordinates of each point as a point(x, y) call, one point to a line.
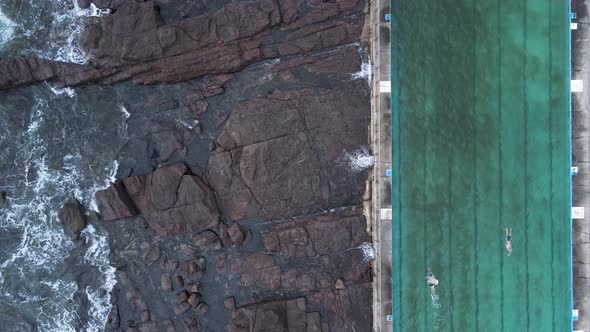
point(358, 160)
point(366, 71)
point(61, 91)
point(69, 36)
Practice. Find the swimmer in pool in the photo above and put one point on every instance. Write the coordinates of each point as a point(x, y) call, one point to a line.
point(508, 243)
point(432, 283)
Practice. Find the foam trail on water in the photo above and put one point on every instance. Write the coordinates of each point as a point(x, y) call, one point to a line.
point(437, 312)
point(59, 320)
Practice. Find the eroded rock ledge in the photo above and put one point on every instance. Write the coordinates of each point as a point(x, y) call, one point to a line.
point(134, 44)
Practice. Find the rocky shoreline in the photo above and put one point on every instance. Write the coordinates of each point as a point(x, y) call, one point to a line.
point(134, 44)
point(249, 218)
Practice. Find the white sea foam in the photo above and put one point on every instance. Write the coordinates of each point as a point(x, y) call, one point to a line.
point(70, 21)
point(60, 320)
point(111, 169)
point(188, 124)
point(122, 128)
point(26, 298)
point(71, 164)
point(126, 113)
point(368, 251)
point(61, 92)
point(99, 298)
point(366, 71)
point(43, 244)
point(7, 28)
point(64, 33)
point(358, 160)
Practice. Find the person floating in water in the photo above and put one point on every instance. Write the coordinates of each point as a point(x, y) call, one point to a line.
point(508, 243)
point(432, 283)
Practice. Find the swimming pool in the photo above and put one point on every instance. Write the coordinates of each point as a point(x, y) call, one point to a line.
point(481, 141)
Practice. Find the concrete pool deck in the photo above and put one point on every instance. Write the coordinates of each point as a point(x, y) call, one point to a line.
point(581, 160)
point(481, 140)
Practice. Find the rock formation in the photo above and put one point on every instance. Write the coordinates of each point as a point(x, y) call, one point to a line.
point(270, 235)
point(114, 203)
point(170, 199)
point(278, 154)
point(333, 247)
point(134, 44)
point(312, 274)
point(71, 216)
point(3, 199)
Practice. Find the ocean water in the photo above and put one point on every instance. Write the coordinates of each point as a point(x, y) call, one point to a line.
point(55, 143)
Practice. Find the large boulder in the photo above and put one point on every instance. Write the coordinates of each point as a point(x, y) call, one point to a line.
point(171, 200)
point(72, 216)
point(114, 203)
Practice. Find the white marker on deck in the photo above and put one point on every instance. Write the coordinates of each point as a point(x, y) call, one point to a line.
point(578, 212)
point(577, 85)
point(384, 86)
point(574, 170)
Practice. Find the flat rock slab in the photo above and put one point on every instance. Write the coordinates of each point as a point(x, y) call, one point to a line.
point(282, 154)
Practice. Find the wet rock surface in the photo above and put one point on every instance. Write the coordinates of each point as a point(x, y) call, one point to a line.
point(135, 44)
point(3, 199)
point(310, 272)
point(71, 215)
point(278, 154)
point(236, 208)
